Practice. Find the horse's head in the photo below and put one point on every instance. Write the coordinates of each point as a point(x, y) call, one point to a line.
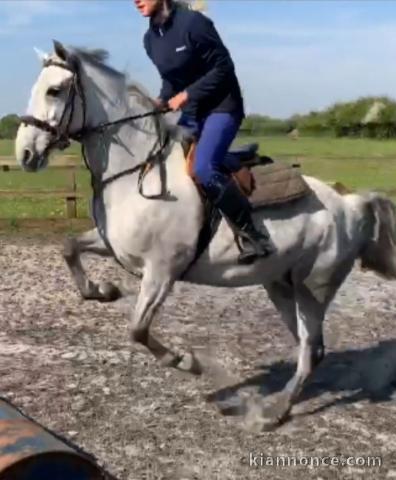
point(53, 110)
point(76, 92)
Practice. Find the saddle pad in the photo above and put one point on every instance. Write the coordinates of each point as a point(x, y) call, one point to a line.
point(277, 183)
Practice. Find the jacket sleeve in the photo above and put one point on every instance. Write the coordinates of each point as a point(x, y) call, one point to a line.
point(167, 90)
point(211, 49)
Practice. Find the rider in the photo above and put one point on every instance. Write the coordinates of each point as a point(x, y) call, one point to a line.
point(198, 77)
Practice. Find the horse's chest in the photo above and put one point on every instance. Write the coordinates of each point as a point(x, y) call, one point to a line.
point(116, 229)
point(100, 219)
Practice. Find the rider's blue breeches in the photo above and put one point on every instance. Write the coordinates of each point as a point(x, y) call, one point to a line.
point(215, 134)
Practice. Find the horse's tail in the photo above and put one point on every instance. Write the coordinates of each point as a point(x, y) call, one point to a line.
point(379, 251)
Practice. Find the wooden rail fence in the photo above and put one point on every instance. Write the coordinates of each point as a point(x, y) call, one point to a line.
point(70, 194)
point(8, 162)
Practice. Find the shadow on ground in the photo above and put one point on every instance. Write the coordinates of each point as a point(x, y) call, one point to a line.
point(356, 374)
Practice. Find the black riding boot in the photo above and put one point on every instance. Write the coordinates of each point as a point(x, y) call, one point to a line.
point(233, 205)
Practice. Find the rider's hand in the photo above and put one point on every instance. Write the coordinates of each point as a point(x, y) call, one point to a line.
point(178, 101)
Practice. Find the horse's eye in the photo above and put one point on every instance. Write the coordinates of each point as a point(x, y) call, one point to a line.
point(53, 91)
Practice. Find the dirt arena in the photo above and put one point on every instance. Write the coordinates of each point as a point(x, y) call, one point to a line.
point(69, 364)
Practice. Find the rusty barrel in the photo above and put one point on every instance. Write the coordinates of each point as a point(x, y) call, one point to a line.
point(28, 451)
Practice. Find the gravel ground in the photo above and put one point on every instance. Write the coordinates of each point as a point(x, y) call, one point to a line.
point(69, 364)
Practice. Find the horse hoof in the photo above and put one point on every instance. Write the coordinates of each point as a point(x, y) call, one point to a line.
point(189, 363)
point(109, 292)
point(261, 425)
point(170, 360)
point(261, 417)
point(233, 406)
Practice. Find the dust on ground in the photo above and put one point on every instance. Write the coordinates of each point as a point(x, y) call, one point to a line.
point(69, 365)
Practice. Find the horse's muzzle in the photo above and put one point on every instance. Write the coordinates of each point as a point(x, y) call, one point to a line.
point(32, 162)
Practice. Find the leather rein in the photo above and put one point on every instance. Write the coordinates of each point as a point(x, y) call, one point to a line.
point(61, 137)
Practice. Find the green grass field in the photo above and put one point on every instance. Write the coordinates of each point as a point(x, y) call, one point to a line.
point(358, 163)
point(284, 147)
point(7, 149)
point(50, 179)
point(325, 147)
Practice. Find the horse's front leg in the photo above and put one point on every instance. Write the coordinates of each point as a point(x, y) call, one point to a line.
point(154, 289)
point(88, 242)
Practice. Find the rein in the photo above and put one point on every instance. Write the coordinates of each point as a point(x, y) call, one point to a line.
point(61, 140)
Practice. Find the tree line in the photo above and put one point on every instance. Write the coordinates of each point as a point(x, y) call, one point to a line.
point(369, 117)
point(9, 126)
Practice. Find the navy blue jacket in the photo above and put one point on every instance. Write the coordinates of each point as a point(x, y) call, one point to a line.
point(190, 56)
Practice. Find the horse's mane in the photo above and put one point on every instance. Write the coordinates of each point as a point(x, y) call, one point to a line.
point(99, 57)
point(135, 90)
point(176, 132)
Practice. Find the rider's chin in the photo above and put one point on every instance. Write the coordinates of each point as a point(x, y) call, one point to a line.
point(144, 11)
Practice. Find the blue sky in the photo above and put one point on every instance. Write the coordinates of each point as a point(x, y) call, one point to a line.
point(291, 56)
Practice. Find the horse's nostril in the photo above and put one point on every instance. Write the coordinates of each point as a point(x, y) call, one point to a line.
point(27, 156)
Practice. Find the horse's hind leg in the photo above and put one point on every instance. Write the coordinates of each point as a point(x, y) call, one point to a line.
point(282, 296)
point(310, 315)
point(310, 312)
point(154, 289)
point(91, 242)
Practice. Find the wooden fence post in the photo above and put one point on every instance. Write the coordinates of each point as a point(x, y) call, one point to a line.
point(71, 198)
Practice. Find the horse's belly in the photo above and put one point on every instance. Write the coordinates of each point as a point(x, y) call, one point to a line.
point(218, 265)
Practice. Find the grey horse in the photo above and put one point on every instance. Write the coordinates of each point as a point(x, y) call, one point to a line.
point(317, 238)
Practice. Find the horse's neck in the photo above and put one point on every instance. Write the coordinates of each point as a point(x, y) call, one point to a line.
point(118, 148)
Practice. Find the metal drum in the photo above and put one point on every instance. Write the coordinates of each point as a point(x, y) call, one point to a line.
point(30, 452)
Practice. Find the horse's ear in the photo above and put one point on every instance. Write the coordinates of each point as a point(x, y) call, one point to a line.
point(61, 51)
point(43, 57)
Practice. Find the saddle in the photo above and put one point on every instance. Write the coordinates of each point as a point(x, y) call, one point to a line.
point(264, 181)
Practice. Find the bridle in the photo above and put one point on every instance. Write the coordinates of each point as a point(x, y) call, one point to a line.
point(61, 136)
point(60, 139)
